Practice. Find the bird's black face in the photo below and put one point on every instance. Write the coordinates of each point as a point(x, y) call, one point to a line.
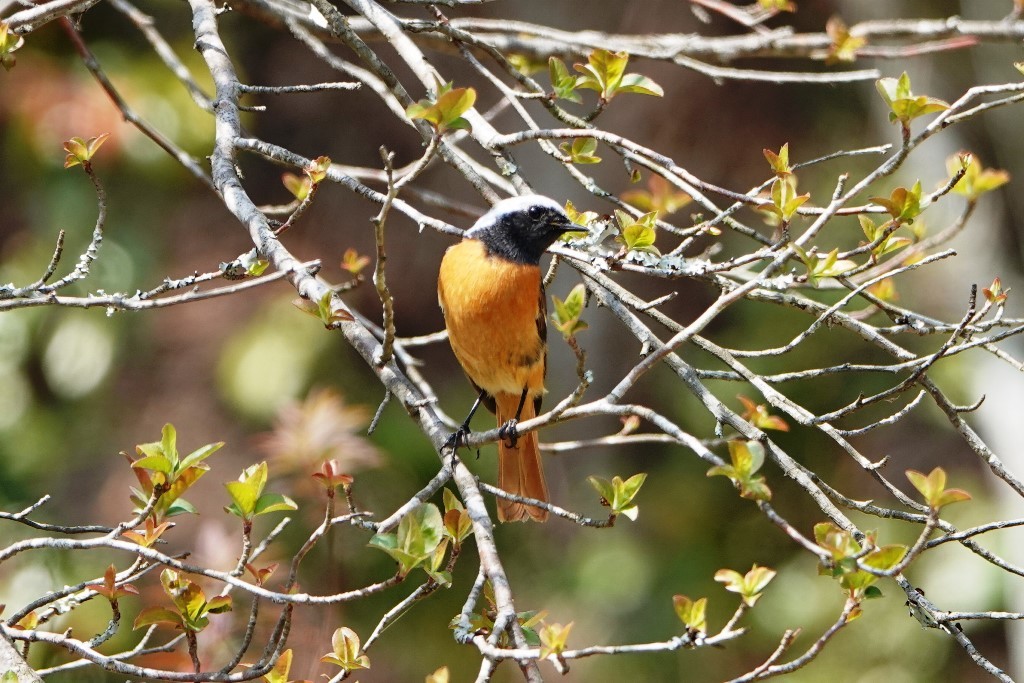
point(521, 228)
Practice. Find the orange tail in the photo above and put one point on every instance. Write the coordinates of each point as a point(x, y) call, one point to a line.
point(519, 469)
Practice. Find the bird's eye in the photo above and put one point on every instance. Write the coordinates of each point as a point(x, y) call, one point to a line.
point(536, 212)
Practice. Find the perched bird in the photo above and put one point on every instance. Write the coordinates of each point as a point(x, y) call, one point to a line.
point(492, 297)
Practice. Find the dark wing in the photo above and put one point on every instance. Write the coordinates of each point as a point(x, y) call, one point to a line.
point(542, 332)
point(485, 398)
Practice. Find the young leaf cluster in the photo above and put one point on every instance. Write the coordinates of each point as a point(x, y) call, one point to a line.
point(80, 152)
point(191, 608)
point(904, 105)
point(581, 151)
point(161, 471)
point(345, 651)
point(749, 585)
point(445, 111)
point(637, 234)
point(618, 494)
point(757, 414)
point(567, 313)
point(248, 498)
point(932, 487)
point(419, 541)
point(976, 180)
point(693, 613)
point(847, 554)
point(312, 175)
point(746, 459)
point(604, 72)
point(819, 268)
point(660, 196)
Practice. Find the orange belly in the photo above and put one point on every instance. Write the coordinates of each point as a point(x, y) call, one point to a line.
point(491, 308)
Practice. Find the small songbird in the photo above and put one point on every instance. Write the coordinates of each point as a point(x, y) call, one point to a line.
point(492, 297)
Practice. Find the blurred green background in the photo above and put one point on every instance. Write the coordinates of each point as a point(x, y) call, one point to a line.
point(77, 387)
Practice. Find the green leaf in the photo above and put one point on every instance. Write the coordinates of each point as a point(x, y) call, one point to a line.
point(976, 180)
point(524, 64)
point(637, 234)
point(758, 415)
point(904, 106)
point(180, 507)
point(779, 162)
point(994, 293)
point(903, 205)
point(839, 542)
point(219, 604)
point(317, 169)
point(151, 532)
point(747, 458)
point(785, 201)
point(605, 73)
point(640, 84)
point(844, 46)
point(581, 218)
point(618, 494)
point(660, 196)
point(345, 651)
point(749, 585)
point(777, 5)
point(282, 667)
point(79, 151)
point(886, 557)
point(190, 602)
point(693, 613)
point(109, 588)
point(831, 267)
point(553, 639)
point(439, 676)
point(445, 112)
point(298, 186)
point(169, 442)
point(160, 616)
point(567, 313)
point(932, 488)
point(581, 151)
point(247, 490)
point(274, 502)
point(563, 83)
point(458, 525)
point(155, 463)
point(352, 262)
point(326, 309)
point(604, 489)
point(416, 538)
point(818, 268)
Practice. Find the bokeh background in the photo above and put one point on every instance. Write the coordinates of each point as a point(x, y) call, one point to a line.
point(78, 387)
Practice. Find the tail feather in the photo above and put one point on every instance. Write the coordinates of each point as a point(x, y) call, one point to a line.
point(520, 470)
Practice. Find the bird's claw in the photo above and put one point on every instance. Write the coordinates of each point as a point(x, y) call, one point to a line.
point(510, 431)
point(457, 438)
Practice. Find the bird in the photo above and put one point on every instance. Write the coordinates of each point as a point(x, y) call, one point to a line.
point(491, 293)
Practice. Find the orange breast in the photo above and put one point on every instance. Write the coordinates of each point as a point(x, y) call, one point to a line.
point(491, 307)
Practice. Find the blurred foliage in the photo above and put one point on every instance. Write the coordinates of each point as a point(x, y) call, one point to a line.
point(79, 386)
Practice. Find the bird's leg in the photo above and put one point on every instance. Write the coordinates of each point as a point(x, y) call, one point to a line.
point(458, 437)
point(509, 429)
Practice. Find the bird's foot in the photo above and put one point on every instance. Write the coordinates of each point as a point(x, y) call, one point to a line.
point(457, 438)
point(510, 431)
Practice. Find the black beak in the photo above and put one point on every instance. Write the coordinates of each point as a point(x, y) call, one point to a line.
point(564, 225)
